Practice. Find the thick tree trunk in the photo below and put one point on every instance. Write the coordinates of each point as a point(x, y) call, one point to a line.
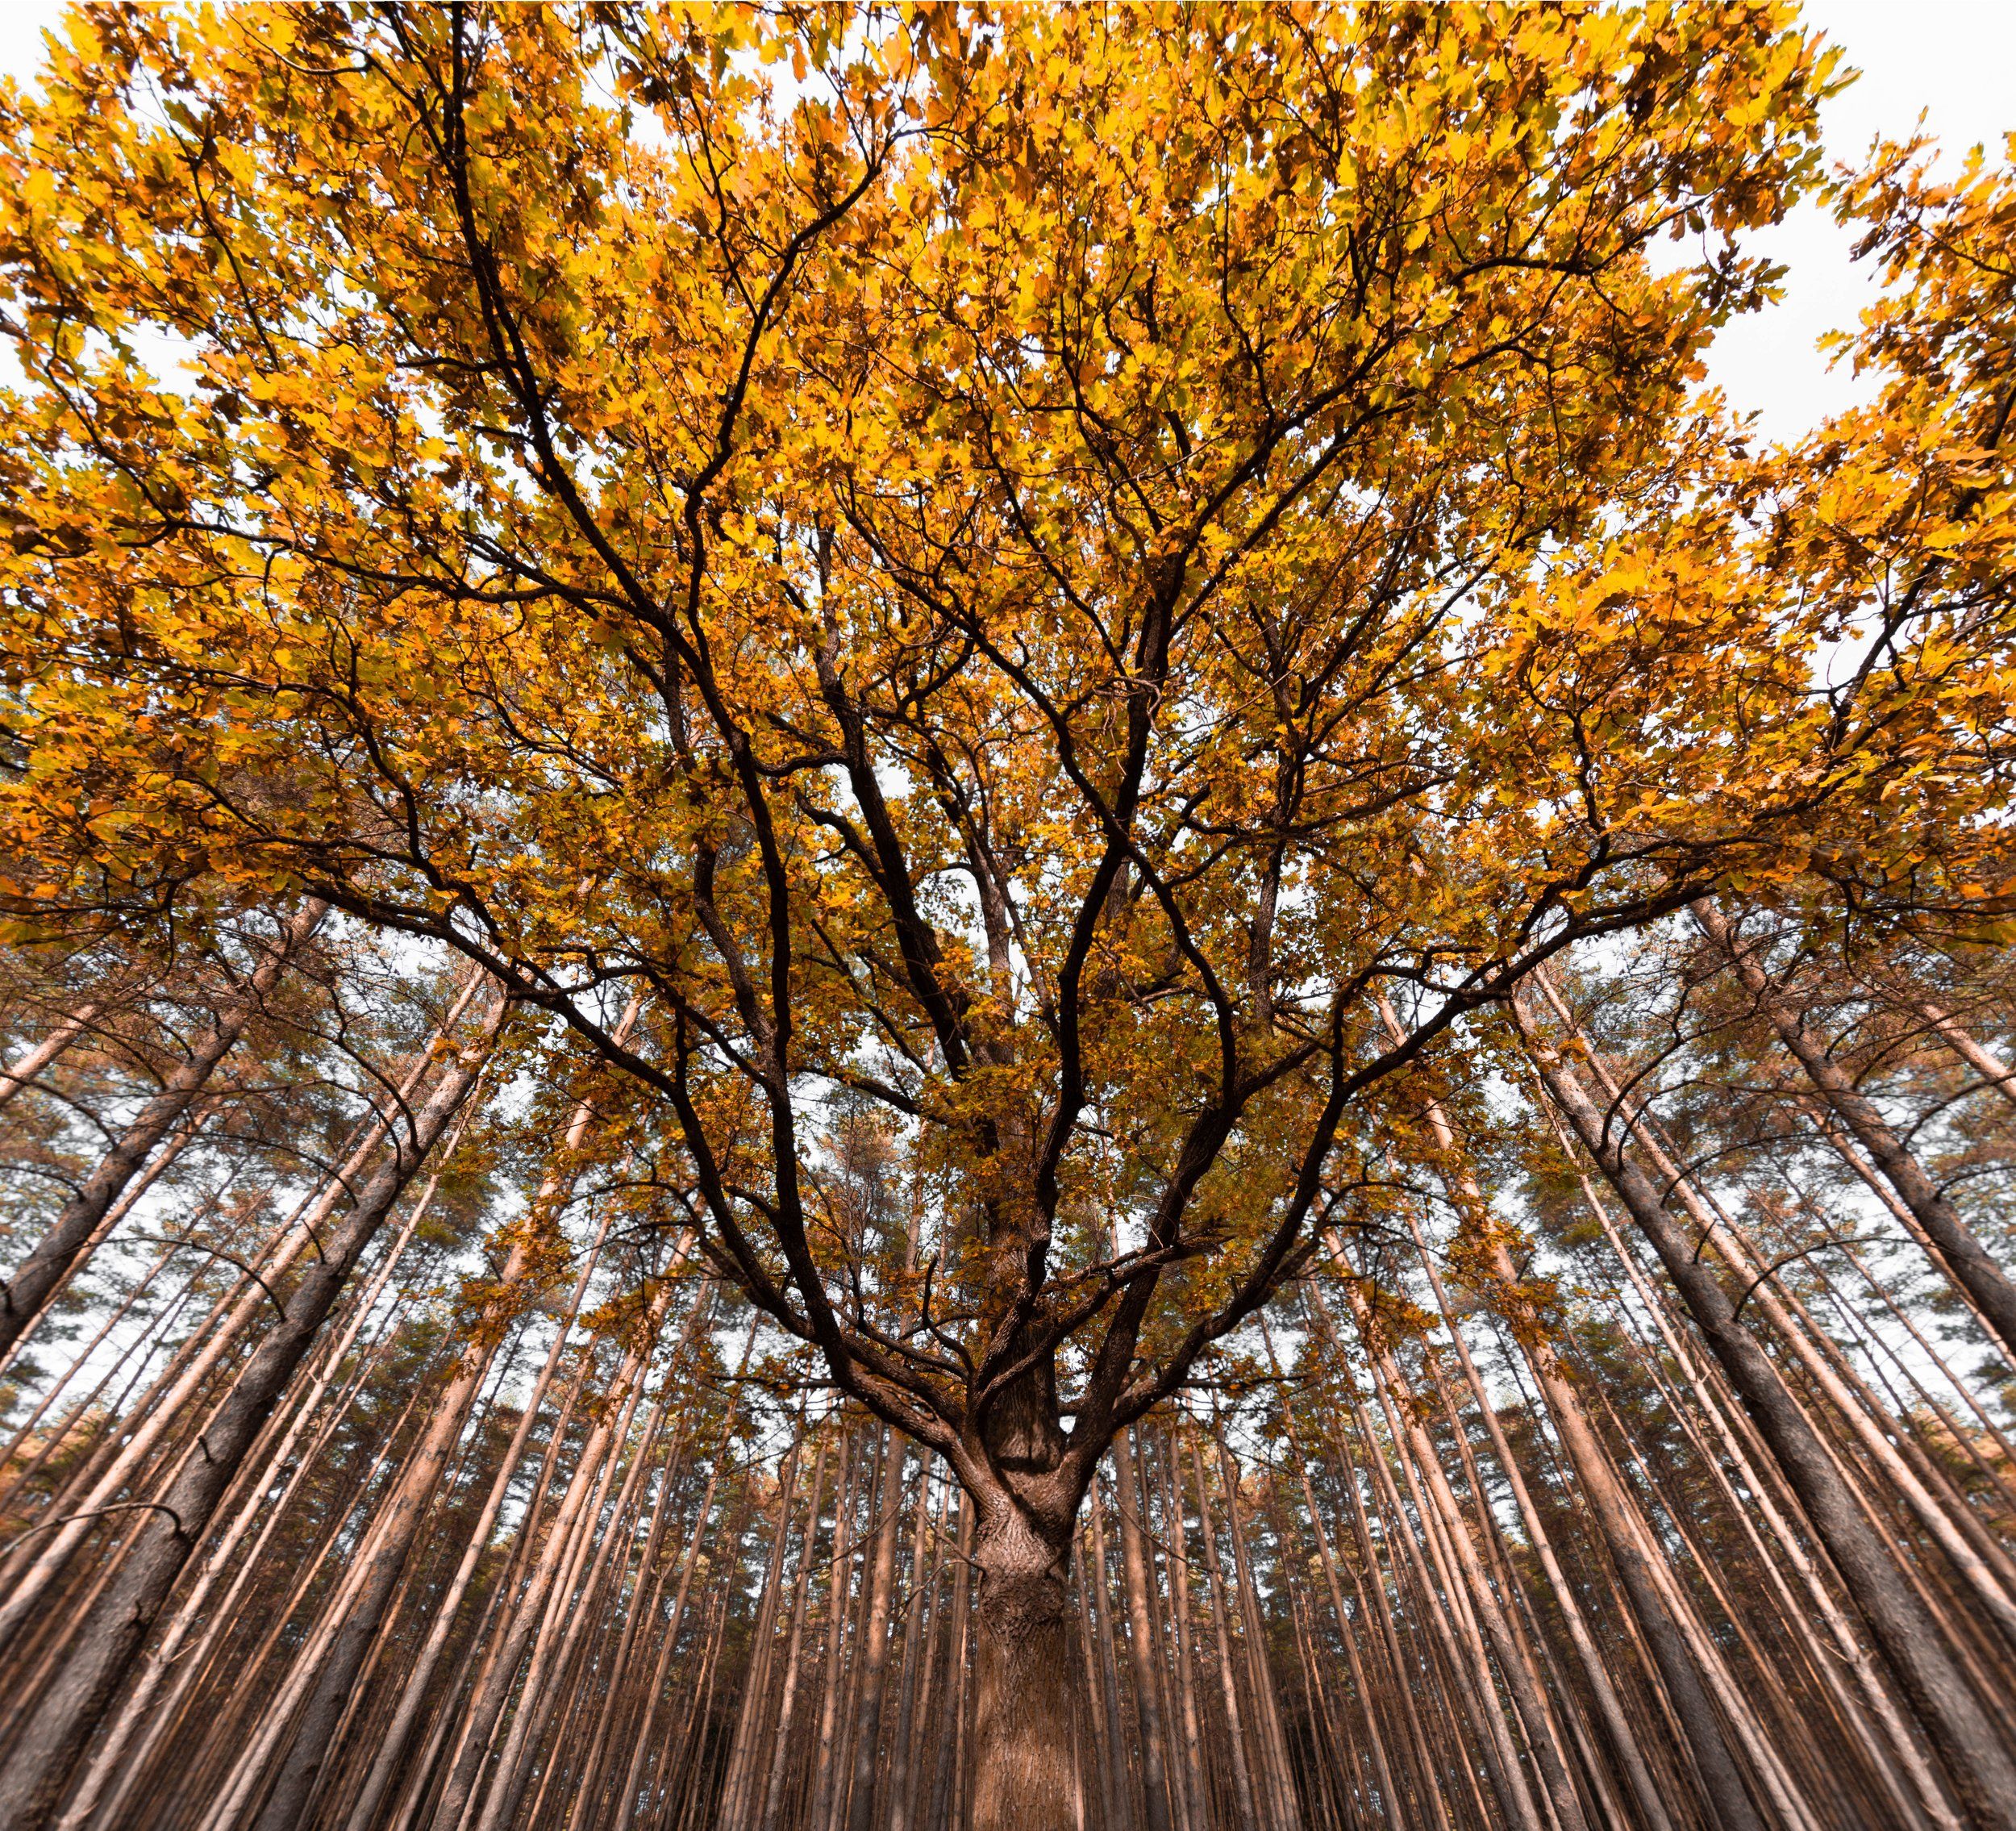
point(1026, 1774)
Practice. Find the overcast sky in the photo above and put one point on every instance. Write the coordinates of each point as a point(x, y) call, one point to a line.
point(1951, 59)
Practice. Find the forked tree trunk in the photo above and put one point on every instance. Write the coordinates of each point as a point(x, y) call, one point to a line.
point(1025, 1772)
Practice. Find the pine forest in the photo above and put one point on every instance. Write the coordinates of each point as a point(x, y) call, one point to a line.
point(968, 917)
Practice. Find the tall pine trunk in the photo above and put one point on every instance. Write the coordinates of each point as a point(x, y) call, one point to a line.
point(24, 1295)
point(1968, 1741)
point(1966, 1261)
point(104, 1643)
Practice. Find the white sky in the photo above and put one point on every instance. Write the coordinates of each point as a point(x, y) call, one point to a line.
point(1952, 59)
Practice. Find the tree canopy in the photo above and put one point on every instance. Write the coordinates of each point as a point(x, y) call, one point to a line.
point(1001, 576)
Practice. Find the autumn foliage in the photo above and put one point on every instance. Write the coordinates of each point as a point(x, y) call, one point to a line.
point(1000, 574)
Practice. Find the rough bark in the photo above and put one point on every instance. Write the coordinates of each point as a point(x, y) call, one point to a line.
point(1025, 1773)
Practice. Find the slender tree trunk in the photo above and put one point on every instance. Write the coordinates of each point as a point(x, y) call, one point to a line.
point(1095, 1591)
point(553, 1641)
point(1148, 1663)
point(916, 1633)
point(1595, 1673)
point(689, 1561)
point(1993, 1074)
point(771, 1816)
point(826, 1762)
point(737, 1803)
point(19, 1074)
point(169, 1404)
point(116, 1764)
point(1214, 1583)
point(874, 1656)
point(1463, 1191)
point(413, 1693)
point(1195, 1785)
point(1403, 1674)
point(945, 1807)
point(1112, 1812)
point(643, 1608)
point(24, 1296)
point(1759, 1477)
point(396, 1524)
point(1969, 1742)
point(1966, 1260)
point(1347, 1627)
point(1272, 1746)
point(104, 1642)
point(1981, 1561)
point(18, 1446)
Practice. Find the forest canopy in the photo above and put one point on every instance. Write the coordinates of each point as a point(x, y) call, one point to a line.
point(1015, 683)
